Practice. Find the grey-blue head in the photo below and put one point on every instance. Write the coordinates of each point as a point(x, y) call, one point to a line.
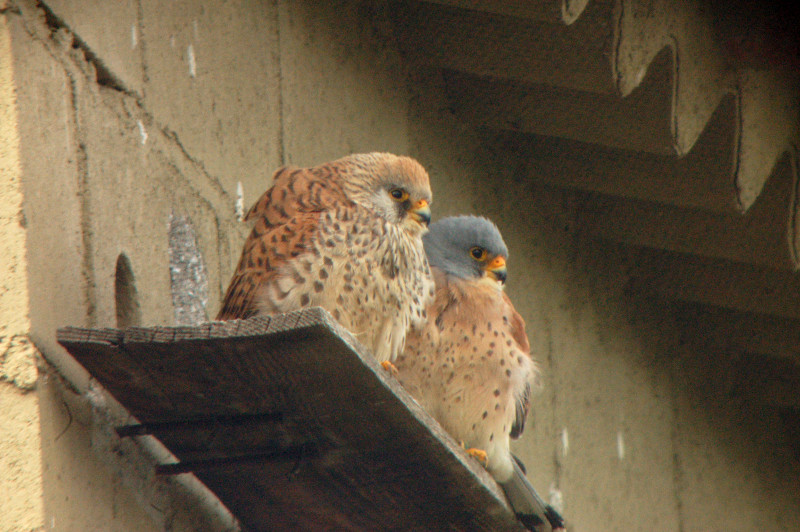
point(468, 247)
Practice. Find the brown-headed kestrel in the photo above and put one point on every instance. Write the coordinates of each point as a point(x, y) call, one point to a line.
point(345, 236)
point(470, 366)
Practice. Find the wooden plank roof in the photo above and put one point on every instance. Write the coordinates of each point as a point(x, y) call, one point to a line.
point(292, 425)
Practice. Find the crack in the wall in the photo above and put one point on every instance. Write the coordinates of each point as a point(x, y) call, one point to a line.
point(103, 75)
point(82, 174)
point(173, 136)
point(794, 162)
point(142, 45)
point(61, 36)
point(618, 16)
point(677, 465)
point(15, 10)
point(674, 123)
point(140, 114)
point(58, 42)
point(279, 62)
point(737, 151)
point(551, 362)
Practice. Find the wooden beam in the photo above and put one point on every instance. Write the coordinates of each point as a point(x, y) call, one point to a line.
point(379, 461)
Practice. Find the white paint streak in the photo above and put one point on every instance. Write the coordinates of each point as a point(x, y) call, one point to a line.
point(620, 445)
point(190, 58)
point(564, 441)
point(556, 499)
point(142, 132)
point(134, 36)
point(239, 201)
point(172, 41)
point(640, 76)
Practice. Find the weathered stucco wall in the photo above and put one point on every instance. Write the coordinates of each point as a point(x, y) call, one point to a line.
point(20, 450)
point(132, 113)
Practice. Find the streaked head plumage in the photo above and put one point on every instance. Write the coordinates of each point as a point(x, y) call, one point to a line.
point(395, 187)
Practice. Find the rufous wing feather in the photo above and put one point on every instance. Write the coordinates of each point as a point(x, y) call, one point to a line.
point(287, 216)
point(517, 325)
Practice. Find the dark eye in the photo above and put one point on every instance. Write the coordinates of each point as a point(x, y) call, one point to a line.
point(398, 194)
point(478, 253)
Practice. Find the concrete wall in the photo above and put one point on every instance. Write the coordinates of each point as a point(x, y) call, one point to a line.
point(20, 450)
point(130, 114)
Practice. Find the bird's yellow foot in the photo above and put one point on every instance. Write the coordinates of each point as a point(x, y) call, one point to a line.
point(391, 368)
point(478, 454)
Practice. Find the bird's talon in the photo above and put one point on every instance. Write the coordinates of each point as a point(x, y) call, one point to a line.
point(391, 368)
point(479, 454)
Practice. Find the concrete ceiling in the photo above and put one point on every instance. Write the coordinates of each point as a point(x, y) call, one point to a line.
point(674, 125)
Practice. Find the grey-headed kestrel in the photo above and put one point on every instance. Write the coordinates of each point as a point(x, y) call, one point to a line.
point(345, 236)
point(470, 366)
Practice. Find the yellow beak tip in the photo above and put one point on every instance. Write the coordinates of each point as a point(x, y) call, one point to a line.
point(497, 269)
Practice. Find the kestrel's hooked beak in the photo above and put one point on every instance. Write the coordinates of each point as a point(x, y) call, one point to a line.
point(421, 212)
point(496, 269)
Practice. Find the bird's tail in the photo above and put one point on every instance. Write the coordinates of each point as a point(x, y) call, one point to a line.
point(530, 508)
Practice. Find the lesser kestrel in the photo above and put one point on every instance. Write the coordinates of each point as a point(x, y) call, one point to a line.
point(470, 366)
point(345, 236)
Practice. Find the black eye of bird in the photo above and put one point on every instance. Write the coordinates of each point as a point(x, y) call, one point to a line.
point(398, 194)
point(478, 253)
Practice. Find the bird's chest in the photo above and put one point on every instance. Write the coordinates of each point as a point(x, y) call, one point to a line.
point(475, 335)
point(377, 273)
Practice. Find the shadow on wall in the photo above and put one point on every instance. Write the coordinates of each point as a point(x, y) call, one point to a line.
point(126, 297)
